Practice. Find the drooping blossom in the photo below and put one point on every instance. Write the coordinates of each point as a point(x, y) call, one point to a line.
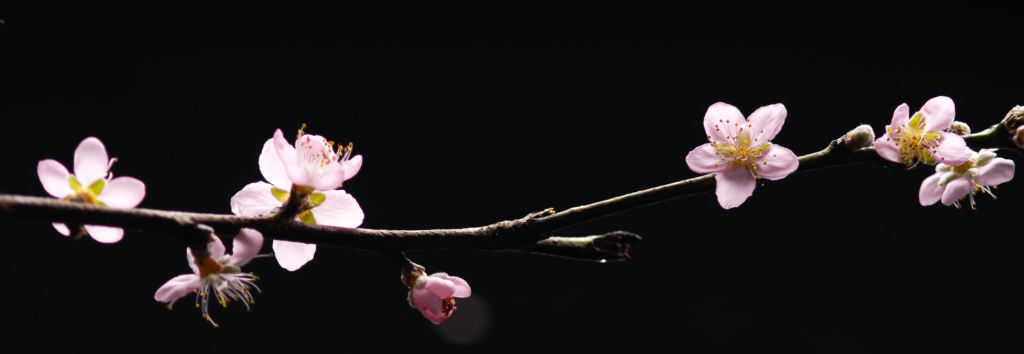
point(219, 275)
point(92, 183)
point(434, 295)
point(741, 151)
point(982, 172)
point(922, 137)
point(327, 206)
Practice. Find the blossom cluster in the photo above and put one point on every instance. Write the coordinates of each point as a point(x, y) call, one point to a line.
point(740, 152)
point(308, 172)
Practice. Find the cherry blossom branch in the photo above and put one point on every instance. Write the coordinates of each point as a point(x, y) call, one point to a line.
point(529, 234)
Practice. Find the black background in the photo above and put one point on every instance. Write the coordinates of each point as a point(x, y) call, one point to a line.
point(468, 119)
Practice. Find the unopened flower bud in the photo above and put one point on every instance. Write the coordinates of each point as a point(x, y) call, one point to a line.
point(860, 137)
point(959, 128)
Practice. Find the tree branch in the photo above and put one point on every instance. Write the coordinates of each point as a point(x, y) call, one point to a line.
point(529, 234)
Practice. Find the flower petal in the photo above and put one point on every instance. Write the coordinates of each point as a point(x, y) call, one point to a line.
point(177, 287)
point(705, 159)
point(777, 163)
point(330, 180)
point(123, 193)
point(293, 255)
point(245, 246)
point(952, 150)
point(62, 229)
point(425, 299)
point(734, 186)
point(54, 177)
point(442, 288)
point(900, 116)
point(90, 161)
point(105, 234)
point(255, 199)
point(996, 171)
point(272, 168)
point(715, 122)
point(767, 121)
point(461, 287)
point(940, 112)
point(338, 209)
point(435, 318)
point(955, 190)
point(352, 166)
point(931, 191)
point(887, 149)
point(289, 158)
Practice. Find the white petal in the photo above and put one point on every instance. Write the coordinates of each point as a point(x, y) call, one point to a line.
point(293, 255)
point(338, 209)
point(90, 161)
point(256, 199)
point(123, 193)
point(105, 234)
point(54, 177)
point(245, 246)
point(272, 168)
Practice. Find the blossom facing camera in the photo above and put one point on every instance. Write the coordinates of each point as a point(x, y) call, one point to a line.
point(323, 206)
point(741, 151)
point(219, 275)
point(434, 295)
point(92, 184)
point(922, 138)
point(951, 184)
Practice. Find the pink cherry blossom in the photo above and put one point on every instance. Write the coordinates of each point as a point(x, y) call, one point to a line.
point(982, 172)
point(91, 184)
point(434, 295)
point(311, 162)
point(922, 137)
point(328, 207)
point(220, 275)
point(741, 151)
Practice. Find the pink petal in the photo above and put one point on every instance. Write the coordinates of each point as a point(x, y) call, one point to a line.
point(704, 159)
point(216, 251)
point(123, 193)
point(888, 150)
point(735, 185)
point(105, 234)
point(439, 287)
point(293, 255)
point(931, 191)
point(62, 229)
point(352, 166)
point(900, 116)
point(995, 172)
point(330, 180)
point(272, 168)
point(777, 163)
point(245, 246)
point(955, 190)
point(425, 299)
point(436, 319)
point(338, 209)
point(768, 119)
point(54, 177)
point(90, 161)
point(715, 122)
point(461, 287)
point(940, 112)
point(254, 200)
point(289, 158)
point(952, 150)
point(177, 287)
